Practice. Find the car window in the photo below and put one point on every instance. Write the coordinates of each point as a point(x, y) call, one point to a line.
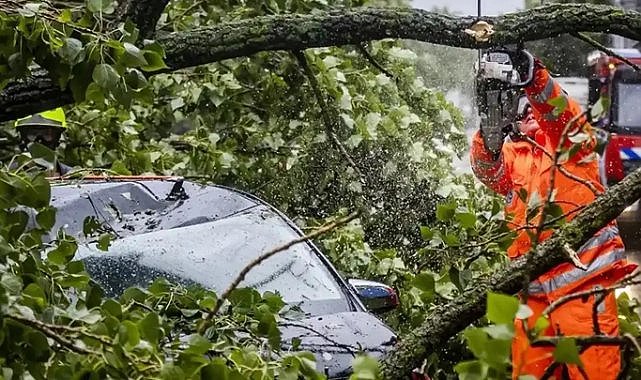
point(628, 112)
point(212, 254)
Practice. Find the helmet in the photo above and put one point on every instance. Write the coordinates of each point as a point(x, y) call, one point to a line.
point(51, 118)
point(45, 128)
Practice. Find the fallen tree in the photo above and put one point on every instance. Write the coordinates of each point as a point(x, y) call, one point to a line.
point(335, 28)
point(287, 32)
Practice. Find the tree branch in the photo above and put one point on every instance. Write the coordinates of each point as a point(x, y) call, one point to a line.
point(449, 319)
point(585, 38)
point(627, 281)
point(329, 117)
point(348, 27)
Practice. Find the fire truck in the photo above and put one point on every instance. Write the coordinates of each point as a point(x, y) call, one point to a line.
point(620, 85)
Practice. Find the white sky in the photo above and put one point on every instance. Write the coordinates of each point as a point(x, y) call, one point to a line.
point(468, 7)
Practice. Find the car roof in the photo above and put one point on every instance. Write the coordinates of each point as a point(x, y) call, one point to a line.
point(137, 206)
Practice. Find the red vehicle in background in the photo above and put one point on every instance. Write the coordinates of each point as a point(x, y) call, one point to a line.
point(620, 85)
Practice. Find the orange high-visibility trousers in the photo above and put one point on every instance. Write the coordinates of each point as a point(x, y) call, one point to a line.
point(574, 318)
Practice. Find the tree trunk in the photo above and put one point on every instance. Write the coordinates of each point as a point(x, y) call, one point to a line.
point(454, 316)
point(345, 27)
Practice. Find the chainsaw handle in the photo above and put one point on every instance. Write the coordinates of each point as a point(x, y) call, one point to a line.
point(530, 70)
point(530, 61)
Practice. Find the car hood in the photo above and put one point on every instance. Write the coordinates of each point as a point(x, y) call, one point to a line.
point(335, 339)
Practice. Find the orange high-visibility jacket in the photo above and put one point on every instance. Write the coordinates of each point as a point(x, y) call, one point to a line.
point(525, 168)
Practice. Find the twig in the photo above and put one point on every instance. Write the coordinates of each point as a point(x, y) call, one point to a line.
point(563, 170)
point(329, 121)
point(257, 261)
point(45, 329)
point(557, 154)
point(626, 281)
point(598, 299)
point(370, 58)
point(601, 47)
point(183, 13)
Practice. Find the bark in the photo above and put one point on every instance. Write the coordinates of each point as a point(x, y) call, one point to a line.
point(347, 27)
point(454, 316)
point(144, 14)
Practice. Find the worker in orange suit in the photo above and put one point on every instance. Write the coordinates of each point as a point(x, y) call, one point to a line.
point(521, 169)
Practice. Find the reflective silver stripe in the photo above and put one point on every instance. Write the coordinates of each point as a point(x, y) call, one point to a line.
point(576, 274)
point(604, 236)
point(546, 93)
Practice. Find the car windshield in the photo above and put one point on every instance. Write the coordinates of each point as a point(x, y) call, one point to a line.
point(212, 254)
point(628, 115)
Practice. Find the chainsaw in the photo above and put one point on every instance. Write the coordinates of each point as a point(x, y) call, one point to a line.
point(497, 100)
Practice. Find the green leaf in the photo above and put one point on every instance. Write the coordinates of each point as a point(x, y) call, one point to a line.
point(12, 283)
point(74, 281)
point(133, 56)
point(34, 291)
point(120, 168)
point(63, 253)
point(426, 233)
point(542, 323)
point(198, 344)
point(171, 372)
point(501, 308)
point(37, 346)
point(94, 93)
point(560, 104)
point(425, 282)
point(502, 331)
point(472, 370)
point(365, 368)
point(46, 218)
point(216, 370)
point(105, 76)
point(71, 50)
point(113, 308)
point(150, 328)
point(129, 334)
point(451, 239)
point(94, 296)
point(445, 212)
point(466, 220)
point(567, 352)
point(154, 61)
point(104, 241)
point(42, 155)
point(100, 6)
point(90, 225)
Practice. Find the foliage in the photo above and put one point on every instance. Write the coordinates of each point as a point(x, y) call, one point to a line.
point(93, 64)
point(254, 123)
point(56, 323)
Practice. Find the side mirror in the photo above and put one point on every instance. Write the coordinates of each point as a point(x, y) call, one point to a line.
point(377, 297)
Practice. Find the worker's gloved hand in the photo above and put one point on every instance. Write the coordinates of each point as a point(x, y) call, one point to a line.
point(522, 61)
